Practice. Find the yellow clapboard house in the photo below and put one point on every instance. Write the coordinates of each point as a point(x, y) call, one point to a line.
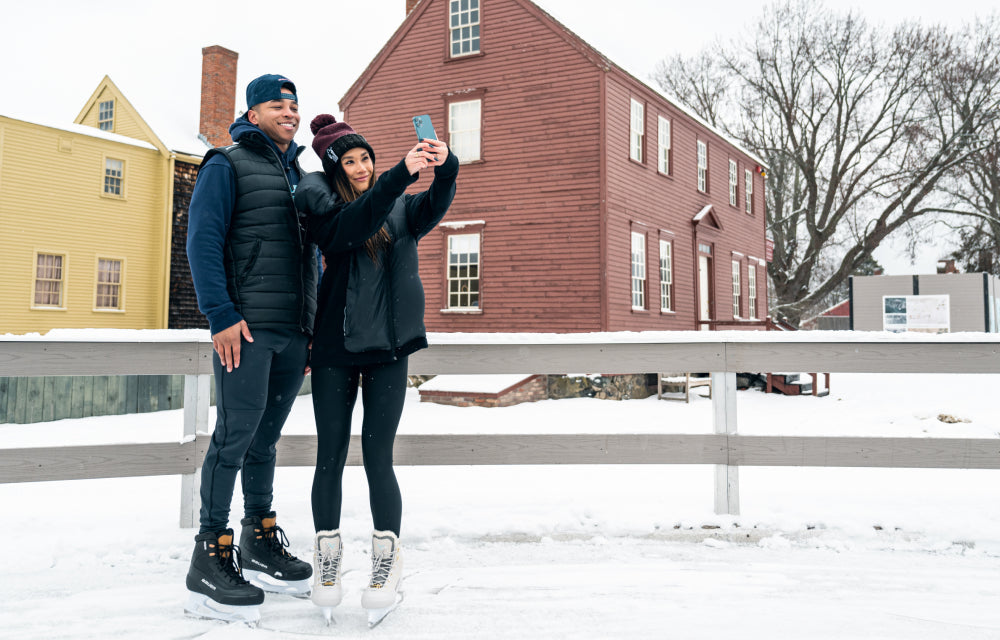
point(85, 219)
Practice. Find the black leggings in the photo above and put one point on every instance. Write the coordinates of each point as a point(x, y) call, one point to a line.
point(334, 392)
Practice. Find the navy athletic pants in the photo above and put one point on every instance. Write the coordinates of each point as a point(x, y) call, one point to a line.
point(252, 403)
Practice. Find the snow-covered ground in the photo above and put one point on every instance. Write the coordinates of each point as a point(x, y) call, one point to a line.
point(599, 551)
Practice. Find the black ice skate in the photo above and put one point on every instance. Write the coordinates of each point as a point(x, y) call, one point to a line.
point(216, 588)
point(266, 562)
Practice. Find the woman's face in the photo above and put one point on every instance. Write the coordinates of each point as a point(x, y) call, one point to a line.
point(358, 167)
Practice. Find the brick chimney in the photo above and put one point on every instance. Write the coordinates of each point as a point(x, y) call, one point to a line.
point(411, 5)
point(218, 94)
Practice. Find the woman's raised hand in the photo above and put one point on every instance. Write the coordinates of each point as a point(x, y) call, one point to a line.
point(417, 159)
point(438, 151)
point(427, 153)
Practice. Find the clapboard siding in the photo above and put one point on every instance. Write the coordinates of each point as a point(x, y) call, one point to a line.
point(639, 193)
point(80, 224)
point(555, 140)
point(537, 188)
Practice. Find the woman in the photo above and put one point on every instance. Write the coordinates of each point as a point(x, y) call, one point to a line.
point(369, 319)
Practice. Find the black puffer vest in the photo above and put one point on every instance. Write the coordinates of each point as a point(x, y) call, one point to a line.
point(270, 267)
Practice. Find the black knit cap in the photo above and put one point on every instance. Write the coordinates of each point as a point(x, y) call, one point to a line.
point(332, 139)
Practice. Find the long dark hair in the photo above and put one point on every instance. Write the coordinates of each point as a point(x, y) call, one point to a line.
point(349, 193)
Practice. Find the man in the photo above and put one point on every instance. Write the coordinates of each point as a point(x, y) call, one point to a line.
point(255, 276)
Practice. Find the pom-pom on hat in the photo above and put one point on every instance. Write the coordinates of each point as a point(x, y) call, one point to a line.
point(332, 139)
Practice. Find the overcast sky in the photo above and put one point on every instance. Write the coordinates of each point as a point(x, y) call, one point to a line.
point(55, 52)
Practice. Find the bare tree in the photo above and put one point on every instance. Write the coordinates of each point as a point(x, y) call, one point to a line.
point(858, 125)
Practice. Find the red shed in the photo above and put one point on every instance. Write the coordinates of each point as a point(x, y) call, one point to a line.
point(587, 201)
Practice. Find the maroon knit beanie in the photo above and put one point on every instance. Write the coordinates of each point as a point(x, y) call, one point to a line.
point(332, 139)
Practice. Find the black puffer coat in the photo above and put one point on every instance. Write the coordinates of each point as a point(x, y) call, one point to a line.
point(372, 312)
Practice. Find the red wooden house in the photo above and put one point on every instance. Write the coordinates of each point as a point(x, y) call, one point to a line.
point(586, 201)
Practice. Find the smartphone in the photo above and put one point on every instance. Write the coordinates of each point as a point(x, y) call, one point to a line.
point(425, 130)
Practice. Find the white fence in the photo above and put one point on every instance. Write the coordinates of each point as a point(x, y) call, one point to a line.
point(722, 353)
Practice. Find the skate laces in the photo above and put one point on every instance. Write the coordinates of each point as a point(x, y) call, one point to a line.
point(329, 566)
point(231, 562)
point(276, 541)
point(381, 567)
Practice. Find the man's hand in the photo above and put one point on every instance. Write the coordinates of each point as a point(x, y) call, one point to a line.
point(227, 344)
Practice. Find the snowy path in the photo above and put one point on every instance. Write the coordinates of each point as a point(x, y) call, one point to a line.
point(111, 569)
point(602, 551)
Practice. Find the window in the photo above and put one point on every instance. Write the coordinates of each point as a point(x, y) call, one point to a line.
point(464, 27)
point(638, 270)
point(463, 271)
point(748, 189)
point(733, 181)
point(702, 166)
point(114, 177)
point(48, 280)
point(637, 129)
point(736, 288)
point(464, 129)
point(109, 284)
point(663, 146)
point(666, 276)
point(106, 115)
point(752, 291)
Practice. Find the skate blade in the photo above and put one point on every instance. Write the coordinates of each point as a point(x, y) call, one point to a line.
point(376, 616)
point(267, 582)
point(201, 606)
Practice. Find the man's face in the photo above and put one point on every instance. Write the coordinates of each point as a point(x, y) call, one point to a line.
point(278, 119)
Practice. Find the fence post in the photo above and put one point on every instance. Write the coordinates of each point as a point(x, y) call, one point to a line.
point(727, 477)
point(197, 397)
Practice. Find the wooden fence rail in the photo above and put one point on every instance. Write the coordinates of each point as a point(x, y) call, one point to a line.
point(722, 353)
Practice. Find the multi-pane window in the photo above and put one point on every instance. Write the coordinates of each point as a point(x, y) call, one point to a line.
point(748, 189)
point(114, 176)
point(109, 284)
point(638, 270)
point(702, 166)
point(663, 145)
point(733, 182)
point(463, 271)
point(666, 276)
point(48, 280)
point(106, 115)
point(736, 288)
point(752, 291)
point(464, 129)
point(464, 15)
point(637, 130)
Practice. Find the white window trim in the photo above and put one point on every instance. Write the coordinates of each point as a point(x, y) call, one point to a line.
point(469, 25)
point(666, 276)
point(702, 167)
point(752, 290)
point(464, 155)
point(478, 278)
point(638, 276)
point(748, 189)
point(736, 289)
point(733, 183)
point(663, 150)
point(637, 130)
